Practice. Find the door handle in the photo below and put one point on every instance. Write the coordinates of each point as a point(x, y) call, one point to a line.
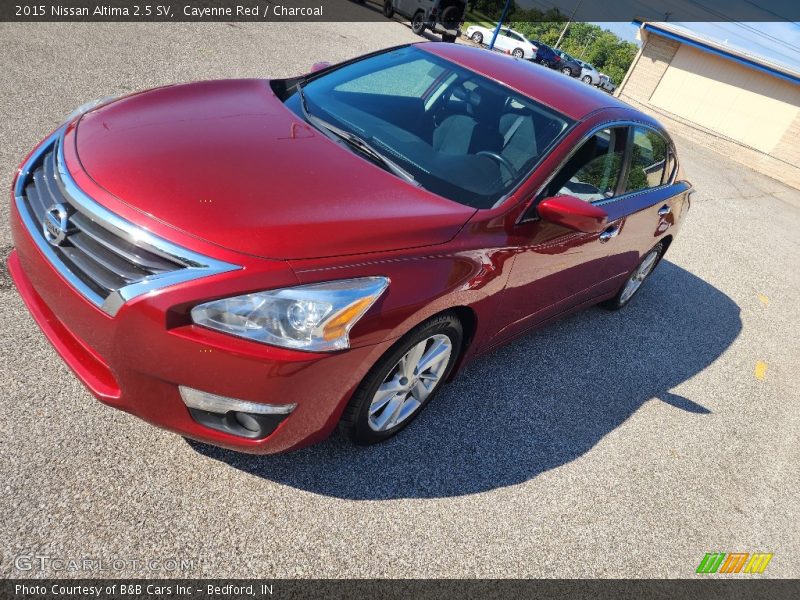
point(664, 211)
point(609, 233)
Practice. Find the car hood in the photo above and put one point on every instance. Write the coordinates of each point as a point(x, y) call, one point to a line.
point(227, 162)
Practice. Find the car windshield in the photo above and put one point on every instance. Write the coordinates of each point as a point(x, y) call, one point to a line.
point(432, 122)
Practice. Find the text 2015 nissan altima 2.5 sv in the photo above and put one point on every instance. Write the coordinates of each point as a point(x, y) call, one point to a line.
point(252, 263)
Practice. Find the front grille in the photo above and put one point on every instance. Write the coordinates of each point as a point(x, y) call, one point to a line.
point(106, 258)
point(101, 259)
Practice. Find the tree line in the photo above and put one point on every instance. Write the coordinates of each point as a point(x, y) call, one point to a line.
point(585, 41)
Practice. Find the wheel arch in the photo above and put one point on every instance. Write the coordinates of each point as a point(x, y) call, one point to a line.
point(666, 240)
point(469, 322)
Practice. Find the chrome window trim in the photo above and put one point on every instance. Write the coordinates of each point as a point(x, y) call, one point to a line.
point(526, 218)
point(194, 265)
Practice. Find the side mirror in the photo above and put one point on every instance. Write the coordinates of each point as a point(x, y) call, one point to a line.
point(573, 213)
point(318, 66)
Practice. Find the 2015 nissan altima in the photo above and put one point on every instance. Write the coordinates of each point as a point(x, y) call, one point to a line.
point(252, 263)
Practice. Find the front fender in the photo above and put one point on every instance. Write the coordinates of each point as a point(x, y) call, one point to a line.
point(422, 285)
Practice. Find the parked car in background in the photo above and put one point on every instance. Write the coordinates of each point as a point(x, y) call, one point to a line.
point(459, 199)
point(568, 65)
point(507, 40)
point(606, 83)
point(545, 55)
point(589, 74)
point(440, 16)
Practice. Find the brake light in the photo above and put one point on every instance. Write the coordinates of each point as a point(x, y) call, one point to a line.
point(557, 57)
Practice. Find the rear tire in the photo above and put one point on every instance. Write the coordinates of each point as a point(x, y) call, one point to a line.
point(518, 53)
point(636, 279)
point(451, 17)
point(567, 71)
point(450, 39)
point(418, 23)
point(587, 79)
point(365, 420)
point(477, 37)
point(388, 9)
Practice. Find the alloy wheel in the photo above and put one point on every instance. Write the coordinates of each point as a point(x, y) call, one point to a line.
point(418, 23)
point(639, 275)
point(518, 53)
point(409, 383)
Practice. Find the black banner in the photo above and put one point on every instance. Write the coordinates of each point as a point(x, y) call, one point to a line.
point(372, 10)
point(415, 589)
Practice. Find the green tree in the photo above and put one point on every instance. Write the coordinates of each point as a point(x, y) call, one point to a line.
point(490, 8)
point(585, 41)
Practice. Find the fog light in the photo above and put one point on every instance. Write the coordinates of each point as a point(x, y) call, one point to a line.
point(237, 417)
point(247, 421)
point(222, 404)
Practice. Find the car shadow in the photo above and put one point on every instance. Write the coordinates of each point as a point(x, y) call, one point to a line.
point(538, 403)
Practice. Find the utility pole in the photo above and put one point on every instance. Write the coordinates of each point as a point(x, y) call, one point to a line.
point(500, 24)
point(566, 26)
point(589, 40)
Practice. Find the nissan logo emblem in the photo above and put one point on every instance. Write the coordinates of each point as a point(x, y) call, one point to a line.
point(55, 224)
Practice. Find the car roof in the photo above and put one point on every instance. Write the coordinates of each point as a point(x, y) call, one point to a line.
point(565, 94)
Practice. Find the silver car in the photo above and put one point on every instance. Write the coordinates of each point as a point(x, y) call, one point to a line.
point(589, 74)
point(606, 83)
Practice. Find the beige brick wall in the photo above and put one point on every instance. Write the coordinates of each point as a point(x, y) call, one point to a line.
point(783, 163)
point(783, 169)
point(788, 148)
point(648, 68)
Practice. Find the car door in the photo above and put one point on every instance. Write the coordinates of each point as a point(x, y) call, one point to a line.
point(502, 42)
point(407, 8)
point(650, 202)
point(555, 268)
point(514, 41)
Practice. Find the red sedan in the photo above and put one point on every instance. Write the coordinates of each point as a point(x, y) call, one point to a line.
point(251, 263)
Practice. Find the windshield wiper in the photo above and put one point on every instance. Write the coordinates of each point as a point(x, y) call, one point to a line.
point(355, 141)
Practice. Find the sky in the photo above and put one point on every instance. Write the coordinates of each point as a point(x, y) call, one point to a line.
point(778, 41)
point(769, 28)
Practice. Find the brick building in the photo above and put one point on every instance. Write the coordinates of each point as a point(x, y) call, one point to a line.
point(741, 105)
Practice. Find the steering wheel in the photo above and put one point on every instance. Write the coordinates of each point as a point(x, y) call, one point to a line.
point(502, 160)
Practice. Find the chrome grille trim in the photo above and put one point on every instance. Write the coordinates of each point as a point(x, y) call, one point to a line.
point(94, 256)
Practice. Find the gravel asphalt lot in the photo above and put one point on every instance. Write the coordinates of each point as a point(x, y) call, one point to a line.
point(607, 445)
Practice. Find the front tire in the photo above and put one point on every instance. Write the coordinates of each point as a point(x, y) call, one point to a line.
point(566, 71)
point(418, 23)
point(403, 381)
point(477, 37)
point(637, 277)
point(587, 79)
point(388, 9)
point(450, 39)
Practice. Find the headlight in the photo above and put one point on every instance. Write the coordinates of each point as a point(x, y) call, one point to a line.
point(316, 317)
point(84, 108)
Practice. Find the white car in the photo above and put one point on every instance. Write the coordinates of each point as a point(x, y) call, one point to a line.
point(589, 74)
point(606, 83)
point(507, 40)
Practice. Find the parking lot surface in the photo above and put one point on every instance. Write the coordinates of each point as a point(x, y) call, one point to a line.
point(621, 444)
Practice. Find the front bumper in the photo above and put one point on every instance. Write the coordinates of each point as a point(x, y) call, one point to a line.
point(135, 360)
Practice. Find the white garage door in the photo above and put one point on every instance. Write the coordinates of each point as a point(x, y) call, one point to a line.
point(744, 104)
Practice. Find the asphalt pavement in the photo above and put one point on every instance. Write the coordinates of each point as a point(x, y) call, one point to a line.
point(621, 444)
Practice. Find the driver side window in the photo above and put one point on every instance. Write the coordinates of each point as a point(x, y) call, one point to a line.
point(593, 172)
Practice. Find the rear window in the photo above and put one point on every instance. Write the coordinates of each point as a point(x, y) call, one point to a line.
point(648, 166)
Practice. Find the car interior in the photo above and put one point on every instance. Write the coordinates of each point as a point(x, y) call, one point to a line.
point(478, 137)
point(592, 173)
